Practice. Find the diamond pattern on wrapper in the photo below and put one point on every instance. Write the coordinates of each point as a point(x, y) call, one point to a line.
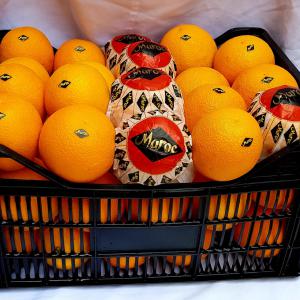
point(277, 112)
point(290, 135)
point(123, 107)
point(183, 174)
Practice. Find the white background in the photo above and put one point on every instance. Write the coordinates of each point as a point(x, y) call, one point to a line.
point(280, 289)
point(99, 20)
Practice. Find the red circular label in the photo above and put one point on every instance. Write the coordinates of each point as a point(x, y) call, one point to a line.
point(149, 54)
point(283, 102)
point(146, 79)
point(155, 145)
point(120, 42)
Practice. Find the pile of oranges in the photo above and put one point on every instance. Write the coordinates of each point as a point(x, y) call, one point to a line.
point(53, 106)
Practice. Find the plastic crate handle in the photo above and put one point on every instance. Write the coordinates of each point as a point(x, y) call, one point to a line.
point(6, 152)
point(274, 161)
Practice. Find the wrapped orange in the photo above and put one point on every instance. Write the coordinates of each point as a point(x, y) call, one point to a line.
point(277, 112)
point(154, 150)
point(139, 93)
point(146, 54)
point(114, 48)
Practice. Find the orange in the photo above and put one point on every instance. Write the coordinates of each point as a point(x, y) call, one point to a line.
point(28, 42)
point(32, 64)
point(59, 249)
point(191, 78)
point(190, 45)
point(27, 174)
point(104, 71)
point(227, 143)
point(180, 260)
point(240, 53)
point(261, 78)
point(104, 208)
point(77, 143)
point(77, 50)
point(20, 80)
point(265, 232)
point(24, 173)
point(272, 198)
point(218, 207)
point(20, 126)
point(109, 178)
point(224, 206)
point(166, 206)
point(17, 239)
point(76, 84)
point(185, 260)
point(132, 261)
point(75, 210)
point(208, 98)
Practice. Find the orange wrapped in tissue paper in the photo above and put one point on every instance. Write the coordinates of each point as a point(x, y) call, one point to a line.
point(146, 54)
point(277, 112)
point(138, 93)
point(153, 144)
point(114, 48)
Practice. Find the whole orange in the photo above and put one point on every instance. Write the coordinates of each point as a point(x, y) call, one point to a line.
point(103, 70)
point(261, 78)
point(77, 50)
point(30, 63)
point(77, 143)
point(20, 126)
point(76, 84)
point(29, 42)
point(192, 78)
point(190, 45)
point(240, 53)
point(208, 98)
point(22, 81)
point(227, 144)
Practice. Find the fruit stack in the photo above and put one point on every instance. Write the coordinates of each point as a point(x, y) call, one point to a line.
point(152, 115)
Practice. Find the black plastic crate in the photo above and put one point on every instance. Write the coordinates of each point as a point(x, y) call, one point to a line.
point(133, 233)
